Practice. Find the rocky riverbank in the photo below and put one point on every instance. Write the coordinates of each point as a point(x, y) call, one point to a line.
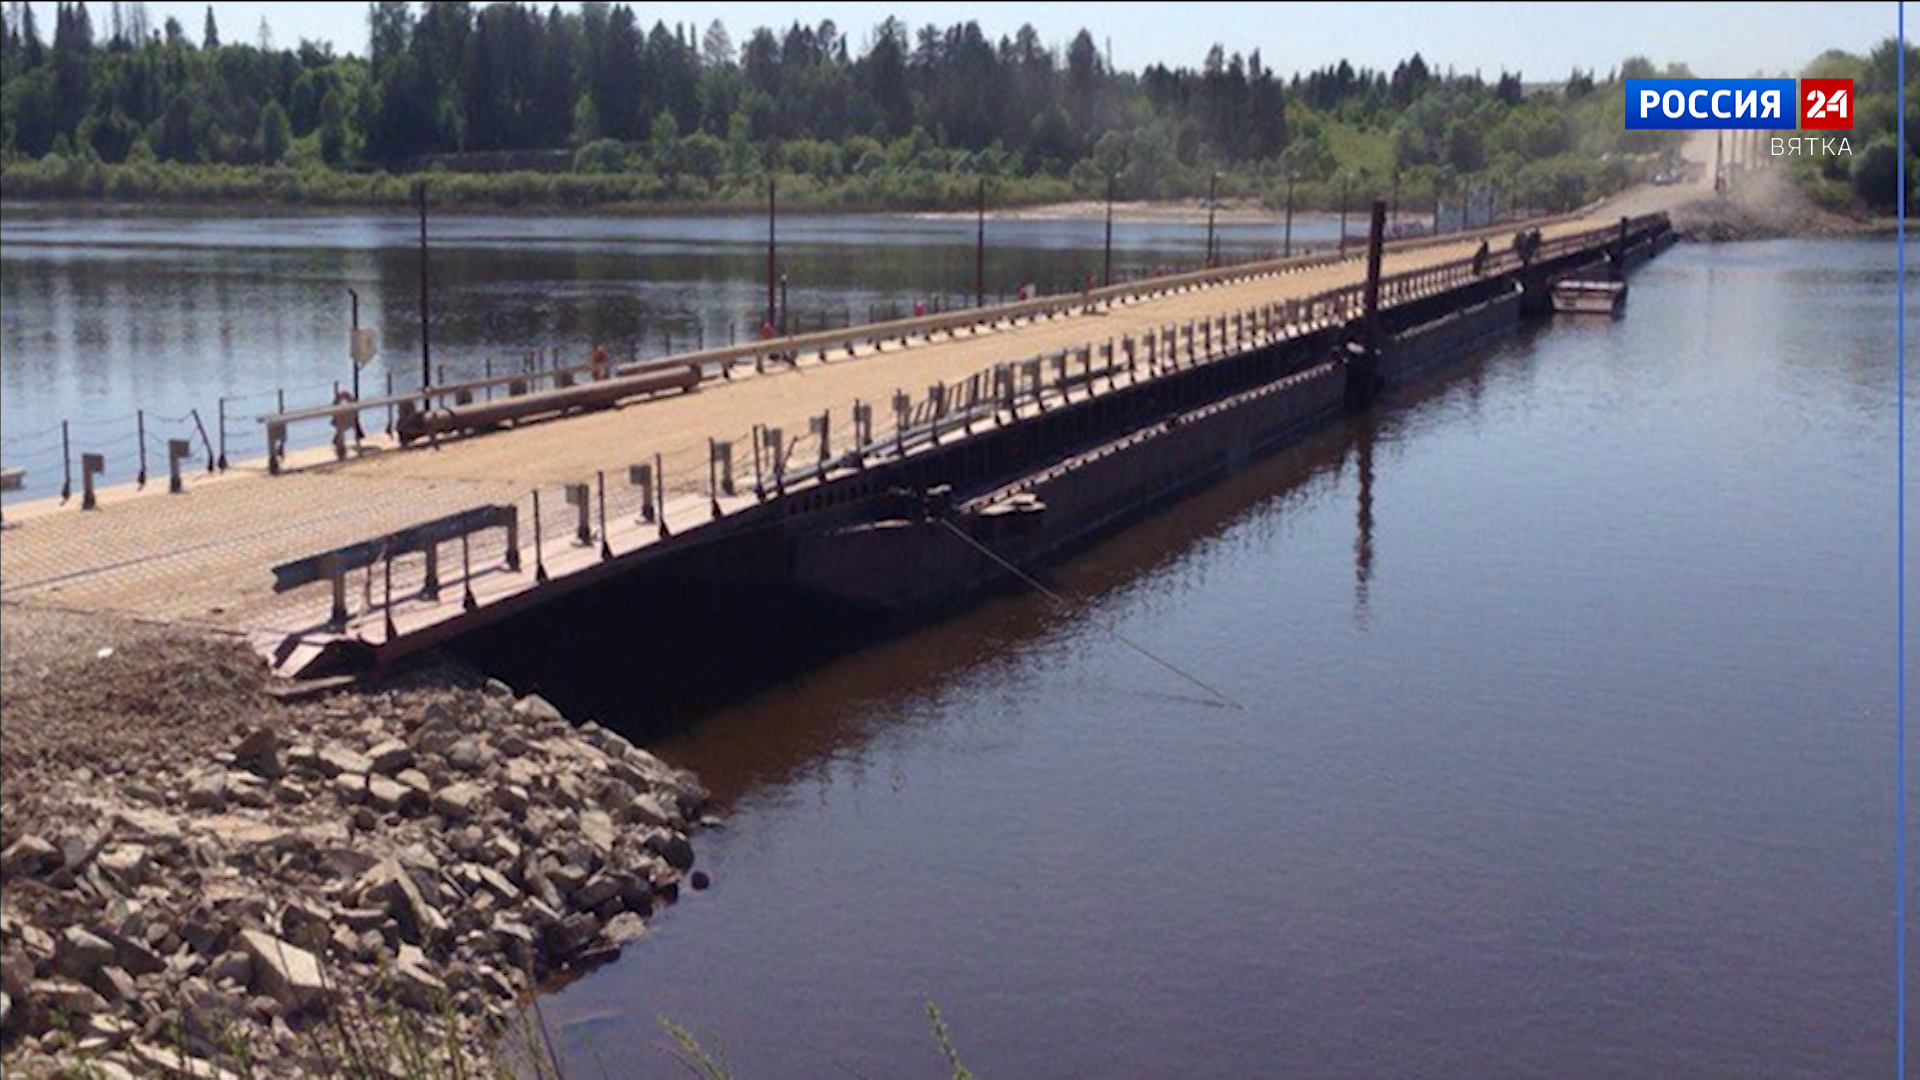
point(202, 880)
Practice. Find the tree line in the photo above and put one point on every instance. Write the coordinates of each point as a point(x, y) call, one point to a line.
point(1870, 174)
point(683, 112)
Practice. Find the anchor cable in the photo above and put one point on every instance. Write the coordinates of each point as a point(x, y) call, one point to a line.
point(1219, 696)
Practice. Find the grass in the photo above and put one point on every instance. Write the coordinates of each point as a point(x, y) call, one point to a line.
point(389, 1042)
point(54, 178)
point(692, 1056)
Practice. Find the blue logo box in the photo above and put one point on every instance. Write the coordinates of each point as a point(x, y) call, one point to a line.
point(1710, 104)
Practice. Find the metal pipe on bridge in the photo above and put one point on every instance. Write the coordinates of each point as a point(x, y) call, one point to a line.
point(484, 414)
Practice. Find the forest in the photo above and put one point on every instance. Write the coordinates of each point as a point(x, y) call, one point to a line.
point(506, 104)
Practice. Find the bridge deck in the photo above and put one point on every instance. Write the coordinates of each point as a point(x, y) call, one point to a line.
point(203, 557)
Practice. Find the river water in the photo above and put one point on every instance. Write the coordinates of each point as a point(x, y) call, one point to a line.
point(1565, 750)
point(1562, 737)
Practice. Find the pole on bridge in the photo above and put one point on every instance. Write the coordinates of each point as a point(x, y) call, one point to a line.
point(1213, 208)
point(1376, 237)
point(1107, 273)
point(1343, 216)
point(539, 552)
point(1363, 356)
point(352, 358)
point(773, 256)
point(1286, 250)
point(660, 494)
point(426, 321)
point(979, 248)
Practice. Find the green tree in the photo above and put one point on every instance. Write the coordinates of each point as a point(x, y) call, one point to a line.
point(276, 134)
point(1876, 173)
point(663, 146)
point(333, 130)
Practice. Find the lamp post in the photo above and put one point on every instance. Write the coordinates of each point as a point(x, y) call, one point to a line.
point(426, 323)
point(353, 357)
point(1213, 208)
point(773, 256)
point(1286, 248)
point(1345, 182)
point(1393, 208)
point(1107, 276)
point(980, 249)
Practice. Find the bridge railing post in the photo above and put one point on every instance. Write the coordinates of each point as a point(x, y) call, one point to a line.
point(178, 450)
point(468, 601)
point(600, 491)
point(758, 442)
point(512, 526)
point(641, 476)
point(91, 465)
point(579, 499)
point(660, 495)
point(821, 427)
point(539, 548)
point(714, 457)
point(936, 408)
point(430, 580)
point(777, 458)
point(336, 575)
point(862, 432)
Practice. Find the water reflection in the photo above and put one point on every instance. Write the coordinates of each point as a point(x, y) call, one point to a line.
point(1363, 526)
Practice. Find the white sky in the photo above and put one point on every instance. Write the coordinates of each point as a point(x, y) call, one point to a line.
point(1541, 39)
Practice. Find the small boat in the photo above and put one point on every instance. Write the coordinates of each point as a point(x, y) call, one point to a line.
point(1579, 297)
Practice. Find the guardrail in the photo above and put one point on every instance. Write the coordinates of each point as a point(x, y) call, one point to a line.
point(423, 539)
point(346, 416)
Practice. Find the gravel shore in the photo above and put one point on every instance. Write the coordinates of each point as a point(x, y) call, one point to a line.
point(200, 878)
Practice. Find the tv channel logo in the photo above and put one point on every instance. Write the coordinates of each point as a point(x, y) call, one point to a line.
point(1696, 104)
point(1826, 104)
point(1740, 104)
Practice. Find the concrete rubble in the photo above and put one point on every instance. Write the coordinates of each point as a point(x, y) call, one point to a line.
point(438, 851)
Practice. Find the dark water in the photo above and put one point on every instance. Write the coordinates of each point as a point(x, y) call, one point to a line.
point(103, 315)
point(1567, 749)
